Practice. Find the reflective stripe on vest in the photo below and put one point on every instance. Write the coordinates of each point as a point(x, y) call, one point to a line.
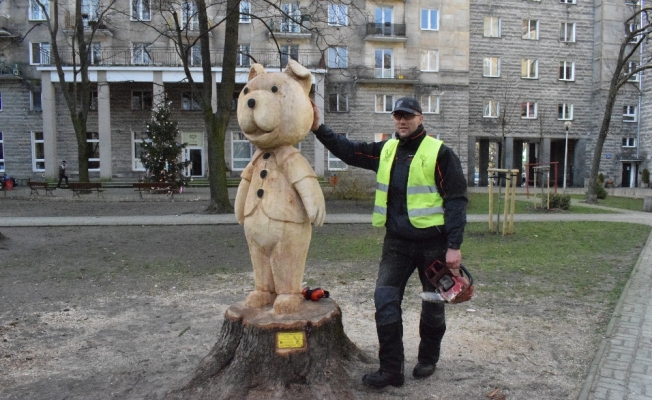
point(425, 205)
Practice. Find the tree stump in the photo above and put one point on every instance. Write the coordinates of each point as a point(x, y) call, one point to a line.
point(265, 355)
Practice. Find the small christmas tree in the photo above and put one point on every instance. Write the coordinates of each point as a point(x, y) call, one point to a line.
point(161, 155)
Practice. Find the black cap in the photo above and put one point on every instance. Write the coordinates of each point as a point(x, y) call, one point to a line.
point(64, 161)
point(407, 105)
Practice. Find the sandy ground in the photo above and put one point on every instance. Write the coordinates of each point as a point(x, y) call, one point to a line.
point(128, 312)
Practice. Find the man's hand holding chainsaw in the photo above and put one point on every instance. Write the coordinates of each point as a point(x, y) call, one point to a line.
point(453, 260)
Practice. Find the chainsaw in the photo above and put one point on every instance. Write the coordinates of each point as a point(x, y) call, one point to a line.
point(452, 285)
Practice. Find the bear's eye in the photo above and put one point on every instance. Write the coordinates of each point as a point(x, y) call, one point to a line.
point(274, 89)
point(246, 90)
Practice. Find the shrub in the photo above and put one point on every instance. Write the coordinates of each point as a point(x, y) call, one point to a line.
point(350, 187)
point(645, 176)
point(560, 201)
point(601, 178)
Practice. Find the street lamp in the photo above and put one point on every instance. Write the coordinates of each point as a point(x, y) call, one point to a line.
point(567, 124)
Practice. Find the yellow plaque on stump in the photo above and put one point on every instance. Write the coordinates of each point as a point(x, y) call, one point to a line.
point(290, 340)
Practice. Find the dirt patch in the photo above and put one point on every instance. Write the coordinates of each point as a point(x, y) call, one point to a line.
point(128, 312)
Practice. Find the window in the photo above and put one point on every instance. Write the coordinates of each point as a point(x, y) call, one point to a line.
point(566, 71)
point(491, 67)
point(189, 15)
point(190, 101)
point(39, 53)
point(384, 18)
point(384, 103)
point(243, 59)
point(38, 152)
point(338, 15)
point(629, 142)
point(530, 29)
point(2, 153)
point(384, 63)
point(338, 102)
point(194, 56)
point(567, 32)
point(565, 112)
point(291, 16)
point(631, 67)
point(629, 32)
point(142, 100)
point(93, 104)
point(137, 139)
point(381, 137)
point(629, 114)
point(334, 163)
point(90, 11)
point(245, 12)
point(291, 51)
point(529, 110)
point(241, 151)
point(0, 101)
point(491, 26)
point(95, 54)
point(429, 20)
point(529, 69)
point(429, 60)
point(141, 10)
point(568, 1)
point(337, 57)
point(430, 104)
point(491, 109)
point(36, 12)
point(93, 149)
point(141, 54)
point(35, 100)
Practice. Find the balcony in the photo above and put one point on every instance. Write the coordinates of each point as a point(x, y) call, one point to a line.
point(386, 32)
point(396, 75)
point(168, 57)
point(290, 28)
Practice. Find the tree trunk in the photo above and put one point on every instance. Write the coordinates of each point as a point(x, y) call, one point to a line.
point(251, 361)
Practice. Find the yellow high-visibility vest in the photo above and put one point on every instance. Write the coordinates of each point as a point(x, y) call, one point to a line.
point(425, 205)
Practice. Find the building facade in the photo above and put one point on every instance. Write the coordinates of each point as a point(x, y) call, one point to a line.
point(516, 84)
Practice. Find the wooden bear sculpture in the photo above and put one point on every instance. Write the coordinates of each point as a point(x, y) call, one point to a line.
point(279, 195)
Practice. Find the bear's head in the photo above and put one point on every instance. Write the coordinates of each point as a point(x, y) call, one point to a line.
point(274, 108)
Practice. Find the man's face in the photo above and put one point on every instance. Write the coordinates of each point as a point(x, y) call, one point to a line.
point(406, 123)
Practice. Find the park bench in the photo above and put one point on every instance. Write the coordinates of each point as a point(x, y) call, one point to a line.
point(156, 187)
point(85, 187)
point(34, 187)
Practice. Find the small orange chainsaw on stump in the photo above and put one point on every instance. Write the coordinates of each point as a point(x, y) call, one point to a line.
point(453, 286)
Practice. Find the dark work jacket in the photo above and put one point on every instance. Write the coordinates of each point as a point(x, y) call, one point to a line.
point(449, 178)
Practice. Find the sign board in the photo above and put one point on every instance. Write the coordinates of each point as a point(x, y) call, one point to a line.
point(290, 340)
point(193, 139)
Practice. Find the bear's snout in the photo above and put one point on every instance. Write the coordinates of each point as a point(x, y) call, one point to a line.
point(251, 103)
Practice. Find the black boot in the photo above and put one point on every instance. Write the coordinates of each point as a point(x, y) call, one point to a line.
point(429, 348)
point(390, 353)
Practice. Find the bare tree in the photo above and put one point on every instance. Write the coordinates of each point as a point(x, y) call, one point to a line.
point(507, 110)
point(77, 91)
point(638, 28)
point(216, 122)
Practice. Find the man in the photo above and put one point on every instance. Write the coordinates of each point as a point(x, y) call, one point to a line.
point(421, 200)
point(62, 174)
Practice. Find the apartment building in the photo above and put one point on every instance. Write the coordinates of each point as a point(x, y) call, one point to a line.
point(500, 82)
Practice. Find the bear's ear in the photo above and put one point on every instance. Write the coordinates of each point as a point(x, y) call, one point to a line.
point(256, 70)
point(300, 73)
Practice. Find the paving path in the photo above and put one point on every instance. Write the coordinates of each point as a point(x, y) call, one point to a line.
point(622, 366)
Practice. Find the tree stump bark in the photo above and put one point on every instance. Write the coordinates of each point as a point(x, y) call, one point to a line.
point(265, 355)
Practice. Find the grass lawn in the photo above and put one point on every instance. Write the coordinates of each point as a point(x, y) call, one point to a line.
point(626, 203)
point(590, 260)
point(479, 204)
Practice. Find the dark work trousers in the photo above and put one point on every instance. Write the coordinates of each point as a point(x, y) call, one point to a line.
point(399, 260)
